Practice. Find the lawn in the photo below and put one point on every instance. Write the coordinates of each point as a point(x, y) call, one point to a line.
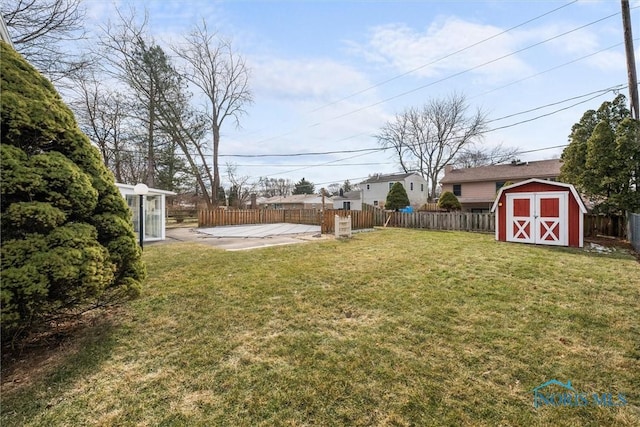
point(393, 327)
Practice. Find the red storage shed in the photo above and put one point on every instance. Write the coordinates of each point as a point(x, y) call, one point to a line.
point(540, 212)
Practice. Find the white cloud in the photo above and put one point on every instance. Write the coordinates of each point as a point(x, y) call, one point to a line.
point(430, 52)
point(307, 80)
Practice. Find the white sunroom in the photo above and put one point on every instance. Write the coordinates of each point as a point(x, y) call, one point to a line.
point(154, 208)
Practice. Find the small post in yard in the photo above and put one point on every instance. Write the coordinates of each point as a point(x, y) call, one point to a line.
point(342, 226)
point(141, 190)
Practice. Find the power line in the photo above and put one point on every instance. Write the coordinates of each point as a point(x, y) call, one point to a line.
point(318, 165)
point(546, 115)
point(444, 57)
point(371, 150)
point(319, 153)
point(599, 92)
point(433, 62)
point(516, 153)
point(472, 68)
point(548, 70)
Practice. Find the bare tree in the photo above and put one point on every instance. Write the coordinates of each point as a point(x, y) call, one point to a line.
point(223, 78)
point(240, 188)
point(427, 139)
point(270, 187)
point(135, 59)
point(39, 27)
point(102, 115)
point(484, 156)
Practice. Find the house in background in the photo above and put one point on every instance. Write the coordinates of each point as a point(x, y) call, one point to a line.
point(375, 188)
point(349, 201)
point(154, 204)
point(297, 201)
point(476, 188)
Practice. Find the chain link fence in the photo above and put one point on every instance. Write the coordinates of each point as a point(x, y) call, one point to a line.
point(634, 230)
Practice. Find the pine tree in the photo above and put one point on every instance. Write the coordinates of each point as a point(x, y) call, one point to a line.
point(303, 187)
point(67, 238)
point(449, 201)
point(603, 157)
point(397, 197)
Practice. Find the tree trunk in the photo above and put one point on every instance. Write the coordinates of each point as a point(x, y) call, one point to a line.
point(216, 170)
point(150, 151)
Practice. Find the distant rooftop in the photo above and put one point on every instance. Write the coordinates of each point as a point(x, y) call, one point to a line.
point(510, 171)
point(296, 198)
point(349, 195)
point(387, 178)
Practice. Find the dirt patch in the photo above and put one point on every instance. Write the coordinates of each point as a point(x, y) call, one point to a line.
point(610, 245)
point(38, 354)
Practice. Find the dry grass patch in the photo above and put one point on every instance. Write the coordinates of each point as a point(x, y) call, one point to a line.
point(395, 327)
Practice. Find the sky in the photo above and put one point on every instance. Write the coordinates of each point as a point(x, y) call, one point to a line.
point(327, 75)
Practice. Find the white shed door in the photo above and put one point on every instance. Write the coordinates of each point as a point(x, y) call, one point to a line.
point(537, 218)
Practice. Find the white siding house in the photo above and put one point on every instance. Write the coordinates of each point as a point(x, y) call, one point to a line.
point(375, 188)
point(154, 210)
point(349, 201)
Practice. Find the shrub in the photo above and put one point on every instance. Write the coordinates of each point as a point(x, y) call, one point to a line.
point(449, 201)
point(67, 239)
point(397, 197)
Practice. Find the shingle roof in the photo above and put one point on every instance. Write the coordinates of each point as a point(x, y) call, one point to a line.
point(349, 195)
point(523, 170)
point(386, 178)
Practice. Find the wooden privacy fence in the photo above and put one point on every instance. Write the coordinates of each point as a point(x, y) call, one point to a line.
point(428, 220)
point(359, 219)
point(594, 225)
point(217, 217)
point(462, 221)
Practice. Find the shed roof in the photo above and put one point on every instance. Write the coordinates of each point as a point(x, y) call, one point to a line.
point(520, 170)
point(570, 187)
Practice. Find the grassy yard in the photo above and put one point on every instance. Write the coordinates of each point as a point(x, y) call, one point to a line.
point(394, 327)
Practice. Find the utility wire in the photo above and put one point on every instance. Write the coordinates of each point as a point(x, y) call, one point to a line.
point(516, 153)
point(416, 69)
point(599, 92)
point(442, 58)
point(471, 69)
point(299, 154)
point(546, 115)
point(549, 70)
point(366, 151)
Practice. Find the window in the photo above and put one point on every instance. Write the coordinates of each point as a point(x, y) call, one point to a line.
point(368, 188)
point(152, 214)
point(346, 206)
point(375, 203)
point(422, 187)
point(457, 190)
point(499, 185)
point(390, 185)
point(411, 186)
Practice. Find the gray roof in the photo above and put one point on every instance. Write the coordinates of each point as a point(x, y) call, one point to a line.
point(349, 195)
point(387, 178)
point(506, 172)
